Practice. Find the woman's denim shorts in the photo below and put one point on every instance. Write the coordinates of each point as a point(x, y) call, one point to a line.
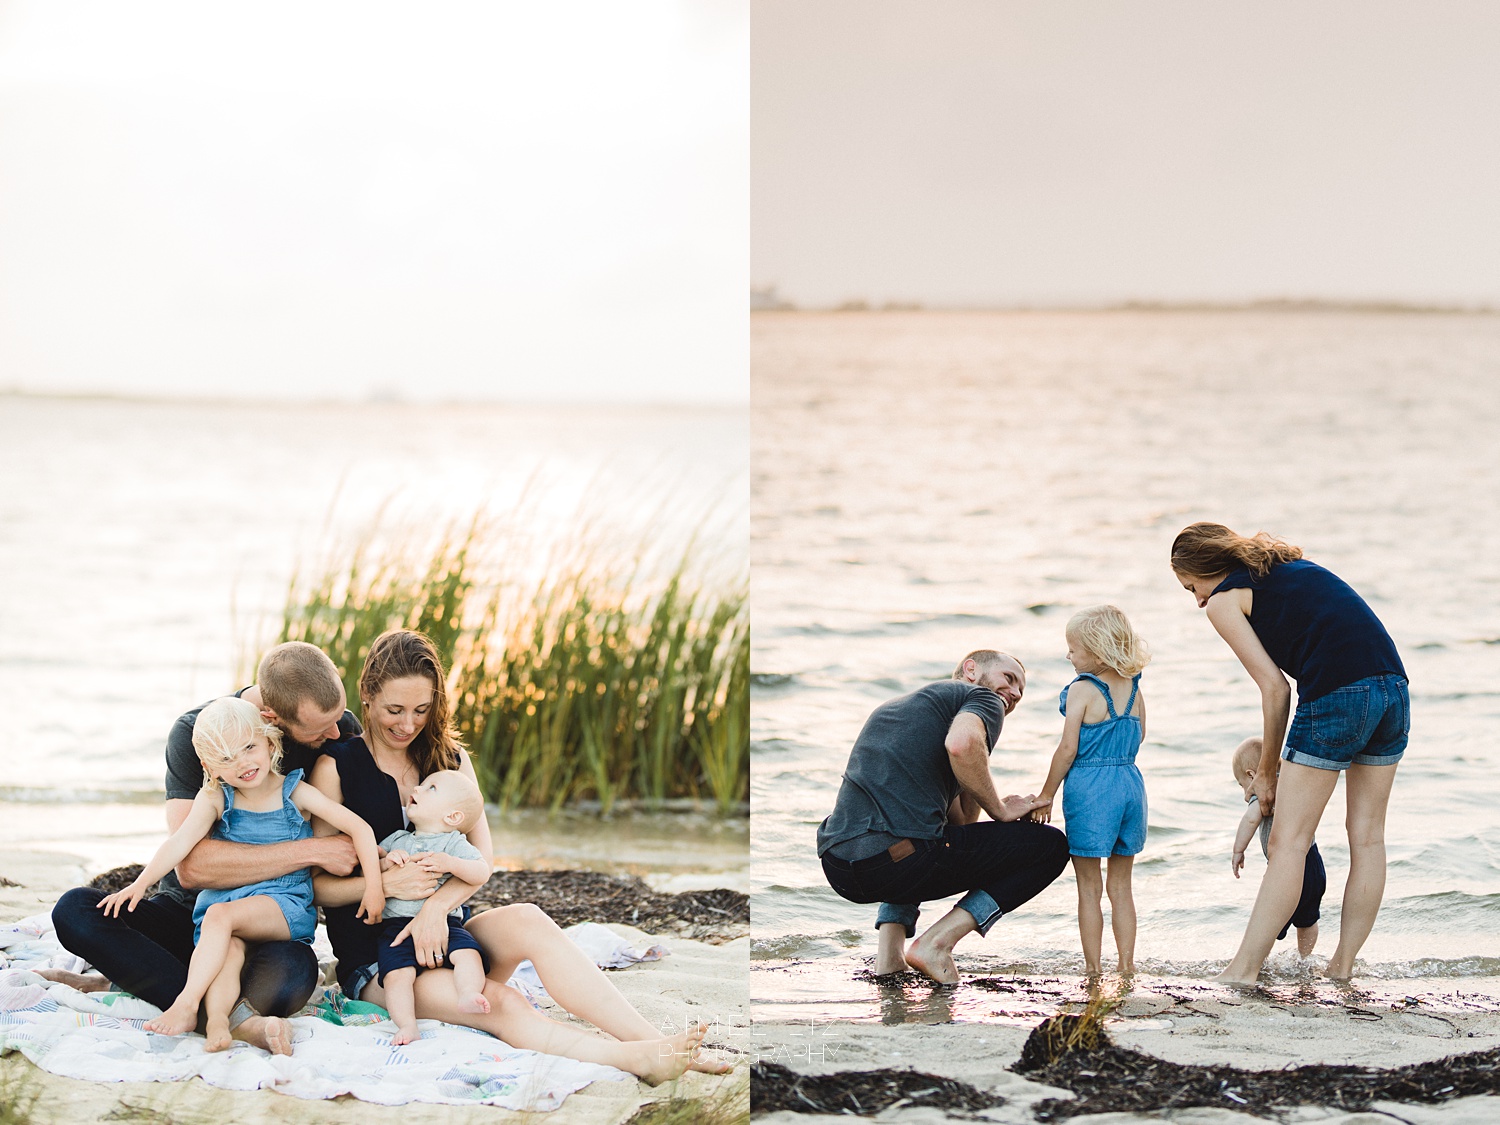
point(1364, 724)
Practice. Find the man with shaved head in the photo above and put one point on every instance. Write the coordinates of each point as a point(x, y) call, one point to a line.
point(906, 827)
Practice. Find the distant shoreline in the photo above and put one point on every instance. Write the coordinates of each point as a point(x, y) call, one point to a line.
point(767, 301)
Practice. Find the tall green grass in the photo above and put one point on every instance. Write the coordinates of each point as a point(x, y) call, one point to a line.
point(605, 674)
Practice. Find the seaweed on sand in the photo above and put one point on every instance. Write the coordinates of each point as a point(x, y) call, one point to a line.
point(863, 1093)
point(1074, 1052)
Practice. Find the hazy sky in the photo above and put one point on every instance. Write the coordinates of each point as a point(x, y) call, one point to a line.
point(319, 198)
point(1094, 151)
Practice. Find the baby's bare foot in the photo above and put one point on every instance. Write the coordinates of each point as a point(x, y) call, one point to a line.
point(176, 1020)
point(278, 1036)
point(217, 1033)
point(405, 1035)
point(84, 982)
point(474, 1002)
point(662, 1060)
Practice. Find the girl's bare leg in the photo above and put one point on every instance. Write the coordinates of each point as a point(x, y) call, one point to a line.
point(1090, 915)
point(256, 918)
point(1301, 795)
point(221, 997)
point(1368, 794)
point(1122, 908)
point(468, 978)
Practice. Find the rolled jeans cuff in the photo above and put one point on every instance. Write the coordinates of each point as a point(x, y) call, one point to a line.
point(986, 912)
point(904, 913)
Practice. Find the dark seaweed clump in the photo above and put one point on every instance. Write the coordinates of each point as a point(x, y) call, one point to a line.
point(863, 1093)
point(1064, 1051)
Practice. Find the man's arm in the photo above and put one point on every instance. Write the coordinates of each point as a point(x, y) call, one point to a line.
point(968, 753)
point(221, 865)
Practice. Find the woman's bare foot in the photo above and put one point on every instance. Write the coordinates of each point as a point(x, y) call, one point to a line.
point(405, 1035)
point(84, 982)
point(217, 1033)
point(1238, 981)
point(278, 1036)
point(662, 1060)
point(474, 1002)
point(934, 963)
point(176, 1020)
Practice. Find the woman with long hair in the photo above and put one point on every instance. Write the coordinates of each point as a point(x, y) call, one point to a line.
point(1283, 615)
point(409, 735)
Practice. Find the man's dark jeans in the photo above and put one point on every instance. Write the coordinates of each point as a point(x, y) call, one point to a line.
point(1001, 864)
point(146, 952)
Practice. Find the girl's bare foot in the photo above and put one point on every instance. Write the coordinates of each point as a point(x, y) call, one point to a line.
point(217, 1033)
point(474, 1002)
point(405, 1035)
point(84, 982)
point(176, 1020)
point(278, 1036)
point(662, 1060)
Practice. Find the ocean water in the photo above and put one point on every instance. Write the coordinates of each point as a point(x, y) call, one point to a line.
point(924, 484)
point(146, 548)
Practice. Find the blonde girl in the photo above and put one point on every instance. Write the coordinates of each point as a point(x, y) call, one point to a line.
point(246, 800)
point(1104, 803)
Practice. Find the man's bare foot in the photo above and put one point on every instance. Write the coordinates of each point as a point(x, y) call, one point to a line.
point(662, 1060)
point(934, 963)
point(405, 1035)
point(890, 966)
point(176, 1020)
point(217, 1033)
point(474, 1002)
point(269, 1033)
point(84, 982)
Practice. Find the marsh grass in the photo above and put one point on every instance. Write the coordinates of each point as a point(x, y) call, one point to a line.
point(728, 1105)
point(18, 1095)
point(609, 673)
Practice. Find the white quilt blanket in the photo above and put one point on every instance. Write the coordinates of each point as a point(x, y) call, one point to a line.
point(99, 1037)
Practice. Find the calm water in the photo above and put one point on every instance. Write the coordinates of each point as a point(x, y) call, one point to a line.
point(926, 484)
point(146, 548)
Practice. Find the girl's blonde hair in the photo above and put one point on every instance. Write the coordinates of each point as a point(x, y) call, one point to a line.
point(1204, 550)
point(1106, 632)
point(221, 730)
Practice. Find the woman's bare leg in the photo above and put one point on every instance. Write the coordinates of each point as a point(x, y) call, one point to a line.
point(511, 1018)
point(524, 932)
point(1090, 914)
point(1122, 908)
point(1368, 794)
point(1301, 795)
point(256, 918)
point(221, 997)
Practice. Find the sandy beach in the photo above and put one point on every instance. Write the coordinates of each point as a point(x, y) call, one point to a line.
point(701, 979)
point(1178, 1020)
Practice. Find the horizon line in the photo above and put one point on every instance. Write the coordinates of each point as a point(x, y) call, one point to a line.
point(766, 299)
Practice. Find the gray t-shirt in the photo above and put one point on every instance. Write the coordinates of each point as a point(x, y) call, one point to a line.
point(450, 843)
point(899, 783)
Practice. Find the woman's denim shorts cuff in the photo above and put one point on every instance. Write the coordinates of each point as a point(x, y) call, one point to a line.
point(904, 913)
point(985, 910)
point(1303, 758)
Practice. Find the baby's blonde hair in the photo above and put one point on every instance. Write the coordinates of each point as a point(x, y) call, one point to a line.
point(1106, 632)
point(1246, 757)
point(223, 727)
point(468, 801)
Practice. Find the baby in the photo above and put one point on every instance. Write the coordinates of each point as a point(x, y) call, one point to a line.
point(1314, 881)
point(443, 807)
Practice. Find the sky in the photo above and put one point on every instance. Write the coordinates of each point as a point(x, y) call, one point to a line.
point(356, 199)
point(1081, 152)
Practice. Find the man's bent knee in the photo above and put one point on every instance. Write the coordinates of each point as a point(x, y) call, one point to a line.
point(75, 909)
point(279, 977)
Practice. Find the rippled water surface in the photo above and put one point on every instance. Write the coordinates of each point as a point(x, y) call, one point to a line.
point(925, 484)
point(146, 547)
